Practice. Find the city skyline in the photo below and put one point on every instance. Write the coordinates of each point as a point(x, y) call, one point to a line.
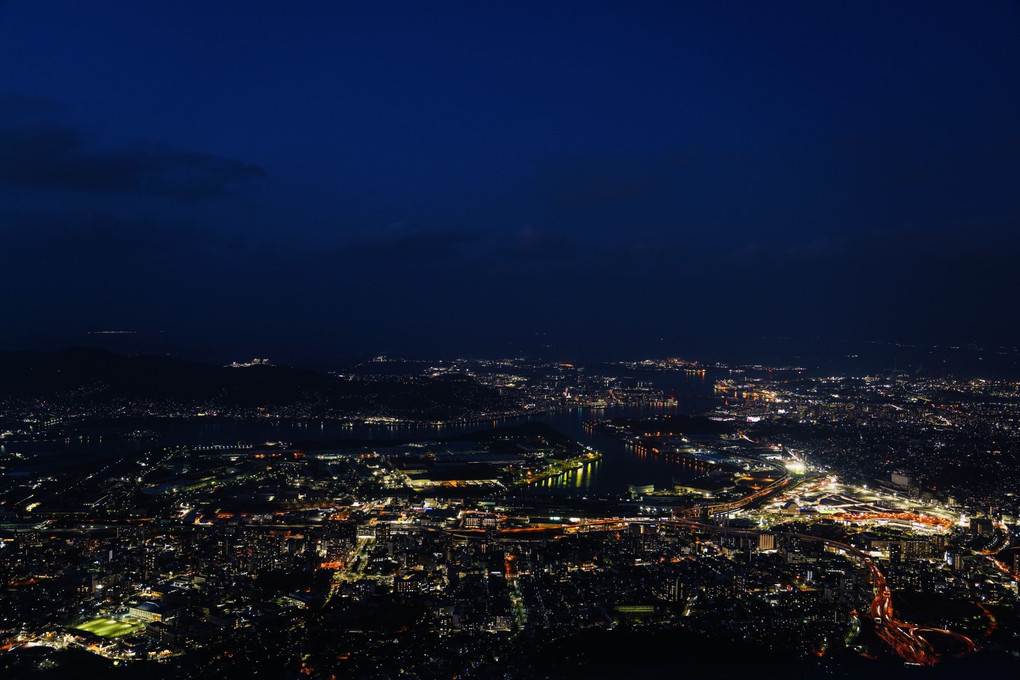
point(503, 518)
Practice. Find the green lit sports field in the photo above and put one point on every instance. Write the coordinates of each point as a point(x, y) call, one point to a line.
point(109, 628)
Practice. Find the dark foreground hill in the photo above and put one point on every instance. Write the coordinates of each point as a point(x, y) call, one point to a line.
point(97, 377)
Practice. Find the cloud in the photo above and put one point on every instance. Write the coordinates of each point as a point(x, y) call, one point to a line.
point(14, 107)
point(598, 180)
point(399, 239)
point(533, 244)
point(62, 242)
point(820, 248)
point(38, 150)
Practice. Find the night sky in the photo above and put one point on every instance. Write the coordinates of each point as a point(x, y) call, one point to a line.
point(316, 180)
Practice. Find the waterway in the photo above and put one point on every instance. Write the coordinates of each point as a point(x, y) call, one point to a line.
point(620, 465)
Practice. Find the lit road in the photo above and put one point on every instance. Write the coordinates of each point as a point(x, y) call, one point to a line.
point(907, 640)
point(910, 642)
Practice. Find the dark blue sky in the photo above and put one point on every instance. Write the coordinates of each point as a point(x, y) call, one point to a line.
point(312, 180)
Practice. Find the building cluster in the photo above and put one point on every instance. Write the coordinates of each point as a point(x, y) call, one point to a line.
point(827, 521)
point(947, 439)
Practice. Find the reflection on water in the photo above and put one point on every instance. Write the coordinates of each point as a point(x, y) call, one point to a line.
point(620, 465)
point(579, 478)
